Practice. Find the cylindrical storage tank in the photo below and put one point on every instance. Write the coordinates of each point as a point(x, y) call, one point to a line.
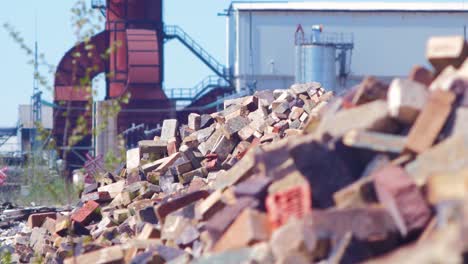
point(316, 63)
point(298, 64)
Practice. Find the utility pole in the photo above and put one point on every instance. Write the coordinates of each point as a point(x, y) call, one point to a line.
point(36, 101)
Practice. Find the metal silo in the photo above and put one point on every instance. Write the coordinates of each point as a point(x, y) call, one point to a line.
point(315, 58)
point(317, 64)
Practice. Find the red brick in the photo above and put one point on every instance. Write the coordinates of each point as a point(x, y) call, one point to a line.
point(250, 227)
point(87, 213)
point(398, 192)
point(421, 75)
point(163, 209)
point(99, 197)
point(292, 202)
point(430, 121)
point(172, 146)
point(36, 220)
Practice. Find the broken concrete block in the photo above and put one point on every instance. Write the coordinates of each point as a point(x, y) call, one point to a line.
point(402, 198)
point(445, 51)
point(375, 141)
point(194, 121)
point(429, 123)
point(169, 129)
point(406, 99)
point(133, 159)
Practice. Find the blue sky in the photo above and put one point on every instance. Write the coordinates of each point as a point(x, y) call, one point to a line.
point(55, 35)
point(197, 17)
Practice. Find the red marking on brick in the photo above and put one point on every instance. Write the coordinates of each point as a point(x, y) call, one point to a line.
point(293, 202)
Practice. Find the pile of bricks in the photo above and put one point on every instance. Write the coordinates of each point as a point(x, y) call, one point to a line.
point(287, 176)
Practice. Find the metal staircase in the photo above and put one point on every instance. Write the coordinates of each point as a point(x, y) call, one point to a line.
point(175, 32)
point(99, 4)
point(6, 134)
point(192, 94)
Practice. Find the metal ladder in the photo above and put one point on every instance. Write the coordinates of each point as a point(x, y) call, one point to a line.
point(175, 32)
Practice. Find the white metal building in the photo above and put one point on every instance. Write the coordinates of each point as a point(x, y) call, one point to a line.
point(389, 38)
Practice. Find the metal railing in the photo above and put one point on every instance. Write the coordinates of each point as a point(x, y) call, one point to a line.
point(172, 32)
point(203, 87)
point(340, 40)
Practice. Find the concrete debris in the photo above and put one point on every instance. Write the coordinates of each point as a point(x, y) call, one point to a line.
point(284, 176)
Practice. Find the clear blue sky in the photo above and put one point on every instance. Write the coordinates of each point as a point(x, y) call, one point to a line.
point(197, 17)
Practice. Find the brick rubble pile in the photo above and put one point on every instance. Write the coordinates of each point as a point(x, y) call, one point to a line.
point(378, 175)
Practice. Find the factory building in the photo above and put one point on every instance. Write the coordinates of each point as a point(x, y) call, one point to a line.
point(386, 37)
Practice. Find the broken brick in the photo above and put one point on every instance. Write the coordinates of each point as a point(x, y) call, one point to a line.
point(402, 198)
point(87, 213)
point(36, 220)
